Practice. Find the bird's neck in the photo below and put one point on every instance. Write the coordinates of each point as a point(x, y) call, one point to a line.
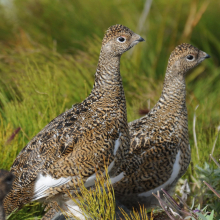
point(174, 92)
point(108, 72)
point(108, 83)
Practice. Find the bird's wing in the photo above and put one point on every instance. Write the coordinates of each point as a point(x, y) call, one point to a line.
point(148, 169)
point(82, 163)
point(51, 159)
point(55, 140)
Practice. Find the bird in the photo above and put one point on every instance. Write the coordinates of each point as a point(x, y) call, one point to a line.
point(81, 141)
point(6, 179)
point(159, 142)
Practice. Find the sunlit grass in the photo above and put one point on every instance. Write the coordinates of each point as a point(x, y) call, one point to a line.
point(33, 211)
point(141, 214)
point(8, 142)
point(97, 202)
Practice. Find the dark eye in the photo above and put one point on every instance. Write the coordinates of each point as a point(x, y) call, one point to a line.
point(190, 57)
point(9, 179)
point(121, 39)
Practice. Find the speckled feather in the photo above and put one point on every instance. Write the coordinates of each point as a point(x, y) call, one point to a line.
point(114, 31)
point(158, 137)
point(82, 139)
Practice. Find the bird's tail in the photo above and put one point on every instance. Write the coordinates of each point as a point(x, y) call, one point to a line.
point(17, 197)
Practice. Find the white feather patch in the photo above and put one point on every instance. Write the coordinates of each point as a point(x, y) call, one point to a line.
point(91, 180)
point(110, 166)
point(117, 178)
point(117, 144)
point(73, 209)
point(43, 183)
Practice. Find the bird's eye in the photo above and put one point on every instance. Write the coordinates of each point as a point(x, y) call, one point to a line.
point(121, 39)
point(190, 57)
point(9, 179)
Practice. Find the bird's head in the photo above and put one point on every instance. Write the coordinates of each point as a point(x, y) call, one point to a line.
point(184, 57)
point(119, 39)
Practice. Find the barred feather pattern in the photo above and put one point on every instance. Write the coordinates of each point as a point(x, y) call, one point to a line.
point(160, 151)
point(81, 140)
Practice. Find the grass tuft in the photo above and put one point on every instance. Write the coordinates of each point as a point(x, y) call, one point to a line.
point(97, 202)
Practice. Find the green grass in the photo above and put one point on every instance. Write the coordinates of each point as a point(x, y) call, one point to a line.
point(97, 202)
point(48, 56)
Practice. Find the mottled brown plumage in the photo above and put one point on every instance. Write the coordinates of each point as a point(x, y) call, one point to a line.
point(82, 139)
point(160, 151)
point(6, 179)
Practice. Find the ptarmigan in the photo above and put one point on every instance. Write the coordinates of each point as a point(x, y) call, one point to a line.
point(160, 150)
point(81, 140)
point(6, 179)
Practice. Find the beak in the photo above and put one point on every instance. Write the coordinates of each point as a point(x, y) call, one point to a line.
point(136, 39)
point(207, 56)
point(140, 39)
